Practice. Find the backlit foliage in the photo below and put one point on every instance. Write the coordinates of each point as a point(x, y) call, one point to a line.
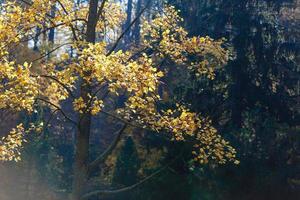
point(10, 146)
point(165, 35)
point(19, 89)
point(129, 73)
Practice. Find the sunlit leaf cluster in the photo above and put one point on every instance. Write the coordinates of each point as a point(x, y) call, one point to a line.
point(170, 40)
point(11, 145)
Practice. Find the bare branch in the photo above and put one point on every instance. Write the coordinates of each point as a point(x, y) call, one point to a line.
point(66, 12)
point(100, 10)
point(95, 164)
point(50, 118)
point(125, 189)
point(137, 54)
point(124, 120)
point(51, 51)
point(127, 29)
point(60, 110)
point(51, 27)
point(59, 82)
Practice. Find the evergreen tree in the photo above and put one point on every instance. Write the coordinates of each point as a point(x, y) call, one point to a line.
point(127, 166)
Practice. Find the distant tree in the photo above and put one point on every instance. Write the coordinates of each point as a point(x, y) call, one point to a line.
point(128, 21)
point(127, 166)
point(137, 29)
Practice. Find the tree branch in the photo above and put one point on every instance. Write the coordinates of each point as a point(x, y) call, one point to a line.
point(59, 82)
point(127, 29)
point(95, 164)
point(50, 118)
point(51, 27)
point(60, 110)
point(67, 13)
point(100, 10)
point(51, 51)
point(125, 189)
point(136, 54)
point(125, 121)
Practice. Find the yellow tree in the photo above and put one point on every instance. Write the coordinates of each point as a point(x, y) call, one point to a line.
point(98, 70)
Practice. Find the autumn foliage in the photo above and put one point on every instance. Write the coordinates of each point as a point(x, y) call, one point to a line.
point(133, 73)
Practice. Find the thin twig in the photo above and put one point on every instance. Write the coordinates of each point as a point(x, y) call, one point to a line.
point(127, 29)
point(125, 189)
point(58, 81)
point(94, 165)
point(71, 26)
point(58, 108)
point(51, 51)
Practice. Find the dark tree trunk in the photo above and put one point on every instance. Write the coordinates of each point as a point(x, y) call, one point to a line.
point(136, 31)
point(52, 30)
point(236, 95)
point(36, 39)
point(127, 23)
point(237, 67)
point(83, 135)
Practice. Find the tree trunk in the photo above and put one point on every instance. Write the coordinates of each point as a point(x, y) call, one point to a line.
point(238, 77)
point(83, 135)
point(36, 39)
point(137, 29)
point(52, 30)
point(127, 23)
point(236, 95)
